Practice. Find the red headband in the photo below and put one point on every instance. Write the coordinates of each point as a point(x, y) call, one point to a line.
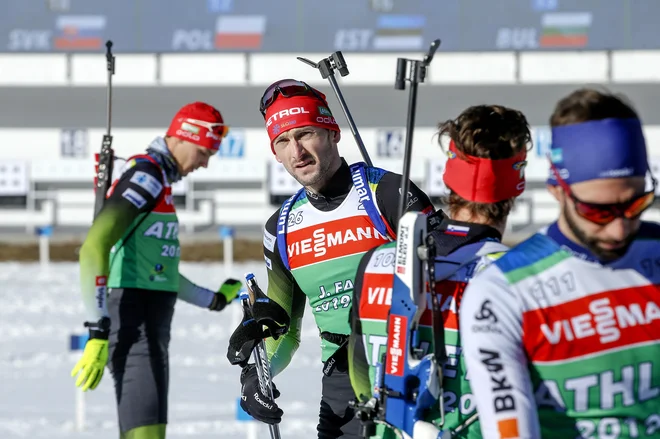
point(484, 180)
point(297, 111)
point(199, 123)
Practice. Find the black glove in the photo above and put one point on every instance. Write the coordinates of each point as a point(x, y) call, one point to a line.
point(261, 407)
point(228, 291)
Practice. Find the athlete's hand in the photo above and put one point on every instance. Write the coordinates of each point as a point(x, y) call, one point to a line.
point(228, 291)
point(92, 364)
point(261, 407)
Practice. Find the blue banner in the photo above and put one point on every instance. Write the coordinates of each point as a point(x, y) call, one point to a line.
point(151, 26)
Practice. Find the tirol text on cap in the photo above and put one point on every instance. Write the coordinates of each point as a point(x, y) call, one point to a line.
point(295, 112)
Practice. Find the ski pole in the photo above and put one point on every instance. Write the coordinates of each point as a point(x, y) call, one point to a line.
point(259, 352)
point(106, 158)
point(416, 74)
point(327, 66)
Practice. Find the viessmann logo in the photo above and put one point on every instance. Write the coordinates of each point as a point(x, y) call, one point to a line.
point(587, 325)
point(321, 240)
point(604, 320)
point(331, 240)
point(396, 344)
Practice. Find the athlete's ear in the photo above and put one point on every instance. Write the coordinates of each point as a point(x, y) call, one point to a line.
point(556, 192)
point(335, 136)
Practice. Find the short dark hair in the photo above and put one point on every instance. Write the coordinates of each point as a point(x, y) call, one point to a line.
point(492, 132)
point(587, 104)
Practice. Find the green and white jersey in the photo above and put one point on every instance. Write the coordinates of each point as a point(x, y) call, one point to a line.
point(313, 244)
point(560, 346)
point(147, 255)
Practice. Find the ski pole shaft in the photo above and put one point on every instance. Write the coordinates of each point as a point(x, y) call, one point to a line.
point(265, 382)
point(349, 118)
point(326, 67)
point(259, 352)
point(410, 126)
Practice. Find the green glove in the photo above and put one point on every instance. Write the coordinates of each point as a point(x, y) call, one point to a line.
point(228, 291)
point(92, 364)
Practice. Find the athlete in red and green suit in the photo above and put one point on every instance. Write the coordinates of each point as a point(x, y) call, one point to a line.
point(313, 244)
point(129, 273)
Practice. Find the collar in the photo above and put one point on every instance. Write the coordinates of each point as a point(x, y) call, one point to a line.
point(452, 234)
point(159, 151)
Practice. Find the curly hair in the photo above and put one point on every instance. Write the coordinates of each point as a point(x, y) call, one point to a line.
point(492, 132)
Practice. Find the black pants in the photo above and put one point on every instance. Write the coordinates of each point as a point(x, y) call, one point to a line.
point(139, 354)
point(336, 418)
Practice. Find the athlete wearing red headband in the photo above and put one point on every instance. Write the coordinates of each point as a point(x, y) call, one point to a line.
point(484, 173)
point(312, 245)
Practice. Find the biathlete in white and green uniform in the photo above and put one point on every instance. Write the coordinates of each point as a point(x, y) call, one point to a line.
point(132, 252)
point(313, 244)
point(561, 335)
point(484, 174)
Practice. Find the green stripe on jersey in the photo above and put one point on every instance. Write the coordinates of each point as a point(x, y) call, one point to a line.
point(616, 394)
point(537, 267)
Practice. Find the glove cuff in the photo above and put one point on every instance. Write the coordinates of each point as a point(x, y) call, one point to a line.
point(98, 335)
point(99, 330)
point(219, 302)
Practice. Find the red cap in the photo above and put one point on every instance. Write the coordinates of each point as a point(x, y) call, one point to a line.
point(298, 111)
point(199, 123)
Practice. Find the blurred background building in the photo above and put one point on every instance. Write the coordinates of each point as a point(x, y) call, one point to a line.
point(524, 54)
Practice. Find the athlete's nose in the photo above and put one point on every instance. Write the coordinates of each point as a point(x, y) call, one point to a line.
point(298, 151)
point(619, 229)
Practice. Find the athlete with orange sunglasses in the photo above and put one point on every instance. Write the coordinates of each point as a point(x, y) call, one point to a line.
point(573, 338)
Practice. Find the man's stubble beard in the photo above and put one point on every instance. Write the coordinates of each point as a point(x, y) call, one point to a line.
point(321, 176)
point(591, 244)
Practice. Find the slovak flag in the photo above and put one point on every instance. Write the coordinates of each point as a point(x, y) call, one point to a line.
point(79, 32)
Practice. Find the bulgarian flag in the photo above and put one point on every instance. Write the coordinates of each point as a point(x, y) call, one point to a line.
point(565, 29)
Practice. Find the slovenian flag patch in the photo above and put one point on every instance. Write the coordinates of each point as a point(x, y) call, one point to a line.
point(457, 230)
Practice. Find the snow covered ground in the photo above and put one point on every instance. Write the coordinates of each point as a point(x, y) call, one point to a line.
point(39, 309)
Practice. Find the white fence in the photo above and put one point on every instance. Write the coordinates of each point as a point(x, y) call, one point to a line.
point(261, 69)
point(236, 193)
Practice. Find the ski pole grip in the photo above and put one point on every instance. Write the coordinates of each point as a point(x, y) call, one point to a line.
point(340, 63)
point(400, 82)
point(109, 57)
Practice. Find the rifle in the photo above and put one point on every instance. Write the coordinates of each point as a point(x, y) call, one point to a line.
point(327, 66)
point(105, 159)
point(408, 381)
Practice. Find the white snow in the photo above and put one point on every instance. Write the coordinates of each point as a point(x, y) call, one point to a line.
point(40, 308)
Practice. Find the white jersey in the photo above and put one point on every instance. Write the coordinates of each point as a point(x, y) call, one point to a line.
point(558, 346)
